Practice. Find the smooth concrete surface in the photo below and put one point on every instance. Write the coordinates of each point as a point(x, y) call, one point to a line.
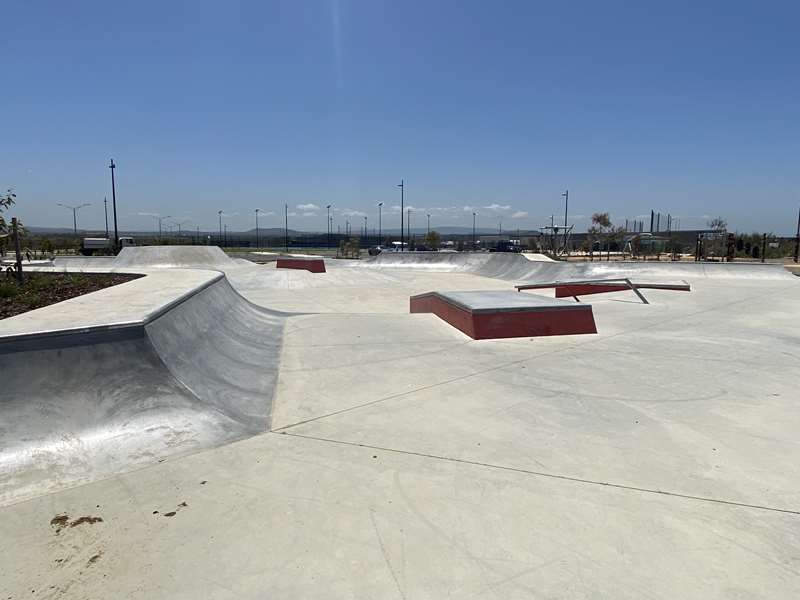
point(657, 459)
point(194, 367)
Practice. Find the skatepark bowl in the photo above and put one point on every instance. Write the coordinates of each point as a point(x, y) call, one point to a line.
point(220, 428)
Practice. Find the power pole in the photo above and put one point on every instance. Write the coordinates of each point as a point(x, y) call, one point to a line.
point(429, 224)
point(219, 212)
point(286, 227)
point(105, 208)
point(114, 203)
point(257, 240)
point(566, 209)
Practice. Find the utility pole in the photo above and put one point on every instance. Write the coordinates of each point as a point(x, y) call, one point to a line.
point(380, 207)
point(365, 228)
point(286, 227)
point(114, 203)
point(105, 208)
point(159, 219)
point(219, 212)
point(566, 210)
point(74, 210)
point(402, 199)
point(429, 224)
point(408, 227)
point(257, 240)
point(652, 216)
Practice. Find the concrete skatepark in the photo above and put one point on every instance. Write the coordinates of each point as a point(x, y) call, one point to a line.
point(248, 431)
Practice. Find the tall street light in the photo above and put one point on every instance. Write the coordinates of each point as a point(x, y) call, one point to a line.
point(429, 224)
point(257, 245)
point(402, 187)
point(74, 210)
point(219, 212)
point(473, 231)
point(159, 218)
point(114, 202)
point(365, 228)
point(566, 209)
point(380, 208)
point(105, 208)
point(408, 226)
point(180, 225)
point(330, 226)
point(286, 227)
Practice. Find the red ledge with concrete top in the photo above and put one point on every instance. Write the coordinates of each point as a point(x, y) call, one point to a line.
point(314, 265)
point(490, 315)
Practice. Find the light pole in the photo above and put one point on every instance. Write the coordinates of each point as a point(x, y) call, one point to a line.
point(473, 231)
point(114, 203)
point(219, 212)
point(286, 227)
point(159, 219)
point(180, 225)
point(402, 199)
point(329, 225)
point(365, 228)
point(429, 225)
point(105, 208)
point(257, 244)
point(566, 208)
point(74, 210)
point(797, 239)
point(408, 225)
point(380, 208)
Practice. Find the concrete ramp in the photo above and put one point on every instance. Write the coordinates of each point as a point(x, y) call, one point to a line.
point(82, 405)
point(209, 257)
point(515, 267)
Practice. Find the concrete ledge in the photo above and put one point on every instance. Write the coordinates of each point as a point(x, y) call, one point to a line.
point(314, 265)
point(489, 315)
point(130, 304)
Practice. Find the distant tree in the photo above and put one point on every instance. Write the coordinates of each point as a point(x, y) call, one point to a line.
point(433, 240)
point(717, 224)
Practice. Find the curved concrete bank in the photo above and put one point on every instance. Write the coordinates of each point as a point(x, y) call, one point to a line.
point(95, 386)
point(515, 267)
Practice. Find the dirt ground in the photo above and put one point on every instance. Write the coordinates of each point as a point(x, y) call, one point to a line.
point(43, 289)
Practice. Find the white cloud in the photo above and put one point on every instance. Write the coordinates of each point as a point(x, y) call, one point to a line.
point(468, 208)
point(309, 214)
point(495, 207)
point(520, 214)
point(349, 212)
point(307, 207)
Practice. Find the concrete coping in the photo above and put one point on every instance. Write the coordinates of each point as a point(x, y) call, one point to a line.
point(131, 304)
point(477, 302)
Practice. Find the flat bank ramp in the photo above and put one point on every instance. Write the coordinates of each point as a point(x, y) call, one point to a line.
point(169, 257)
point(78, 406)
point(515, 267)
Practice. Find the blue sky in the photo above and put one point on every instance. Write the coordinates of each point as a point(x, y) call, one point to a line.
point(684, 107)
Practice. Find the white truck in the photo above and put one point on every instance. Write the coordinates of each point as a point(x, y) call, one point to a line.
point(103, 245)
